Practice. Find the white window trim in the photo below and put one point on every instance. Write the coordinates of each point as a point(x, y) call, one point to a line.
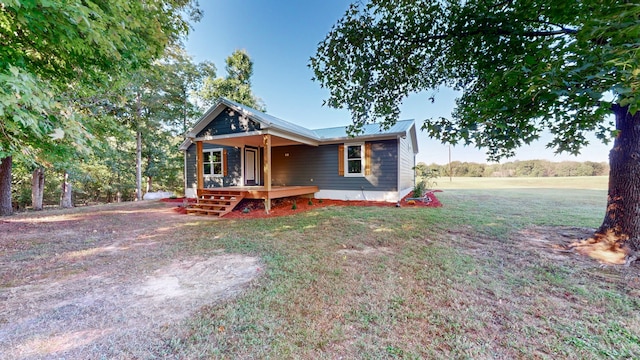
point(346, 160)
point(221, 150)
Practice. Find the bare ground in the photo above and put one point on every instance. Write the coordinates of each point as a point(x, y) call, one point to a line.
point(104, 282)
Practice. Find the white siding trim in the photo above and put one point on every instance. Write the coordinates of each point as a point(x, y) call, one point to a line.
point(388, 196)
point(190, 193)
point(399, 164)
point(404, 192)
point(242, 149)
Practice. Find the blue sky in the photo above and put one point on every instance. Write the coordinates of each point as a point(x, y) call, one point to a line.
point(280, 37)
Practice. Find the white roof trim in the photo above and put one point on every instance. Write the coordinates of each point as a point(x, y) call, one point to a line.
point(414, 138)
point(229, 136)
point(345, 139)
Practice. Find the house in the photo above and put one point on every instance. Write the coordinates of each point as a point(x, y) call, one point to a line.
point(236, 152)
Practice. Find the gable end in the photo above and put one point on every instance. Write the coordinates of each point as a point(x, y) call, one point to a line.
point(228, 121)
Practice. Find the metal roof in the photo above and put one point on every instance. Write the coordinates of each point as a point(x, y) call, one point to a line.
point(401, 128)
point(272, 121)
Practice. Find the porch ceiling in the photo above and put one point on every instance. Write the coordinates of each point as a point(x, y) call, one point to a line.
point(251, 140)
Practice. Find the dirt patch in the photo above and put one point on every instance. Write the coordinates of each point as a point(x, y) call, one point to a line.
point(102, 283)
point(554, 242)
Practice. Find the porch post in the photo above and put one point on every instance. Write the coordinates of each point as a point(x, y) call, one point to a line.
point(199, 167)
point(267, 170)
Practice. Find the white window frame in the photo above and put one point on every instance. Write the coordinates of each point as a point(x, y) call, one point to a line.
point(211, 151)
point(346, 160)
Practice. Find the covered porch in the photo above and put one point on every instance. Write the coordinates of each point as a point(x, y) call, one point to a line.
point(221, 200)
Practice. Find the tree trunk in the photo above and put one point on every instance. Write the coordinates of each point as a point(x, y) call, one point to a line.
point(37, 188)
point(149, 186)
point(138, 150)
point(65, 196)
point(139, 166)
point(621, 223)
point(5, 186)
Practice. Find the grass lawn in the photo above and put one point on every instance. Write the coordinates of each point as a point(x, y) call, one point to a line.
point(482, 277)
point(574, 182)
point(474, 279)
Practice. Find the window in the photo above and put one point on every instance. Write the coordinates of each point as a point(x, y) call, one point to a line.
point(354, 159)
point(212, 161)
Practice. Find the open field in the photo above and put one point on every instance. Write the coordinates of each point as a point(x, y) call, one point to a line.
point(485, 276)
point(575, 182)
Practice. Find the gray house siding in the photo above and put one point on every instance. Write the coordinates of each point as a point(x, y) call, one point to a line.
point(229, 122)
point(234, 167)
point(407, 163)
point(308, 165)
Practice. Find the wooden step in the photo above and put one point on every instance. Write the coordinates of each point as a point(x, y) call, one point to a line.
point(198, 211)
point(215, 202)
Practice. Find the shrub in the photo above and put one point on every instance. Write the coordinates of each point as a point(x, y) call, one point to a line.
point(419, 189)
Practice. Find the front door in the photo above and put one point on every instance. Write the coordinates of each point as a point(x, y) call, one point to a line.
point(250, 166)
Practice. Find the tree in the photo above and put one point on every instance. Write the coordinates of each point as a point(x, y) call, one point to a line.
point(37, 188)
point(180, 80)
point(236, 85)
point(51, 47)
point(425, 178)
point(157, 107)
point(520, 66)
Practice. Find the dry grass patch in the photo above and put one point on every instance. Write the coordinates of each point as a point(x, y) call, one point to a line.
point(104, 282)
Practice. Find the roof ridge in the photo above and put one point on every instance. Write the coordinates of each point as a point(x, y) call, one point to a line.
point(370, 124)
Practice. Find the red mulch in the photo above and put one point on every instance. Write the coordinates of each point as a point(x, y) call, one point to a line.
point(284, 206)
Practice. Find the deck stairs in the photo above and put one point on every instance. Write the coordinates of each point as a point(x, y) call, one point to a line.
point(215, 202)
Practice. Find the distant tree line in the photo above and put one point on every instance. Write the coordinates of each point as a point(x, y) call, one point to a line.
point(524, 168)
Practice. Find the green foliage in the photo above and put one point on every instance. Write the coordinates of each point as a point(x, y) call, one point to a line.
point(176, 79)
point(522, 168)
point(63, 64)
point(520, 67)
point(419, 189)
point(55, 51)
point(425, 178)
point(236, 85)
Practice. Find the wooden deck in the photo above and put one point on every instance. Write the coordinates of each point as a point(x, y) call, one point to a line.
point(220, 201)
point(277, 192)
